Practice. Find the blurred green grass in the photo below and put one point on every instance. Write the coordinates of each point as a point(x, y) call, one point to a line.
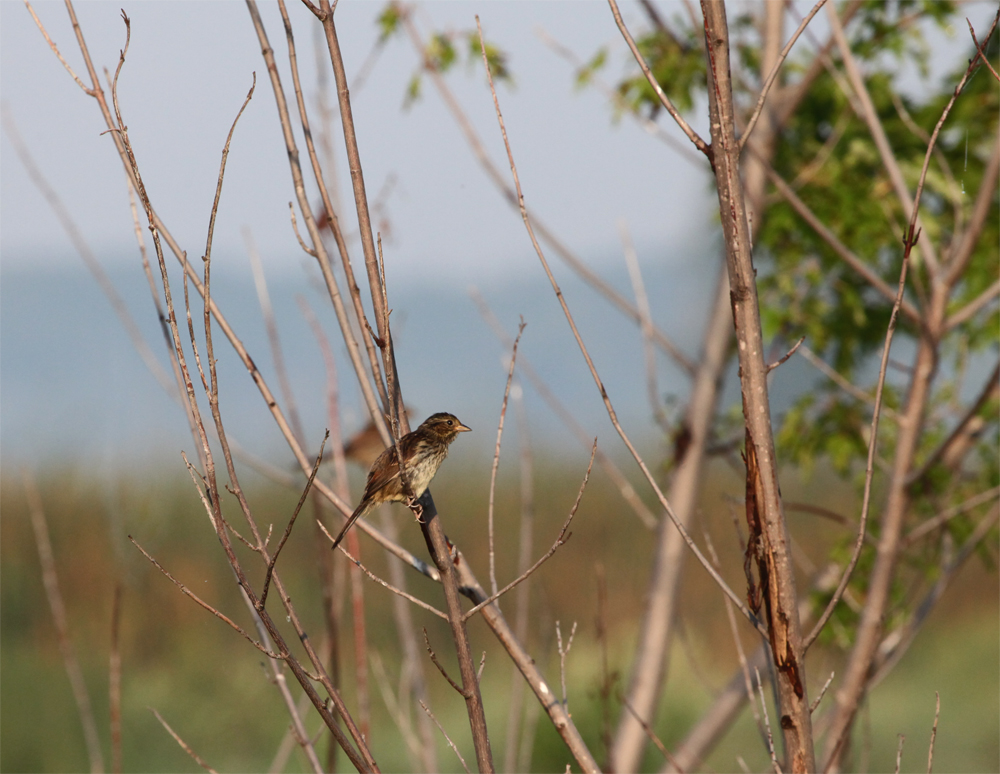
point(216, 692)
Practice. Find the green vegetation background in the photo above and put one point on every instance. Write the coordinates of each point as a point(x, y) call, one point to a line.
point(214, 690)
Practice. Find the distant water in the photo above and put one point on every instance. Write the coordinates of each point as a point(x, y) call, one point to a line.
point(74, 389)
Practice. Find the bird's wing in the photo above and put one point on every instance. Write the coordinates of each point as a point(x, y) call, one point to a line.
point(381, 474)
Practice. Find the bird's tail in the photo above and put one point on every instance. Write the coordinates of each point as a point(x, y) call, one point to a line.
point(362, 509)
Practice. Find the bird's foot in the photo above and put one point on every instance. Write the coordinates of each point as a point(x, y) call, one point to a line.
point(418, 509)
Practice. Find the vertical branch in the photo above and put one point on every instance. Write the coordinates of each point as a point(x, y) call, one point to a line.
point(310, 221)
point(515, 701)
point(430, 524)
point(764, 499)
point(115, 682)
point(331, 220)
point(360, 198)
point(496, 456)
point(898, 499)
point(50, 580)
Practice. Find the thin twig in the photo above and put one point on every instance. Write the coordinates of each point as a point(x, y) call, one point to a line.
point(221, 616)
point(822, 693)
point(844, 384)
point(734, 631)
point(59, 56)
point(393, 589)
point(870, 466)
point(615, 97)
point(652, 736)
point(645, 324)
point(973, 308)
point(899, 752)
point(396, 708)
point(896, 644)
point(184, 745)
point(980, 52)
point(788, 354)
point(516, 710)
point(692, 135)
point(115, 682)
point(845, 254)
point(333, 223)
point(445, 734)
point(560, 541)
point(441, 669)
point(295, 227)
point(767, 725)
point(930, 750)
point(563, 652)
point(291, 523)
point(989, 496)
point(273, 337)
point(774, 73)
point(626, 489)
point(496, 456)
point(119, 135)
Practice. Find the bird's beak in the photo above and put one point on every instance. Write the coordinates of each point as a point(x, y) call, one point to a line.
point(463, 429)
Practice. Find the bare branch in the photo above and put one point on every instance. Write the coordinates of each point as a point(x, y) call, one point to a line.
point(989, 496)
point(89, 259)
point(847, 386)
point(767, 725)
point(50, 580)
point(291, 523)
point(846, 255)
point(937, 712)
point(664, 99)
point(982, 210)
point(393, 589)
point(975, 306)
point(295, 227)
point(55, 50)
point(184, 745)
point(895, 645)
point(626, 489)
point(333, 223)
point(650, 126)
point(869, 468)
point(310, 221)
point(510, 194)
point(496, 457)
point(645, 323)
point(981, 54)
point(652, 735)
point(951, 451)
point(788, 354)
point(434, 660)
point(221, 616)
point(559, 542)
point(774, 73)
point(563, 652)
point(822, 693)
point(445, 735)
point(889, 160)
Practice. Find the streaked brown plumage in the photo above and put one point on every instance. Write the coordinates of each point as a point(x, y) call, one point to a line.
point(423, 452)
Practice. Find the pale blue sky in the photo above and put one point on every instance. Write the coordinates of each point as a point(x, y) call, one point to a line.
point(190, 66)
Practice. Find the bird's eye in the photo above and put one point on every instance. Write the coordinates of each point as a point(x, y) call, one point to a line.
point(450, 422)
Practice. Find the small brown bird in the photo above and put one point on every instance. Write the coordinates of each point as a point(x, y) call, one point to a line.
point(423, 452)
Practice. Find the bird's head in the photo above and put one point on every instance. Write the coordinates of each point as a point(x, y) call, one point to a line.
point(444, 426)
